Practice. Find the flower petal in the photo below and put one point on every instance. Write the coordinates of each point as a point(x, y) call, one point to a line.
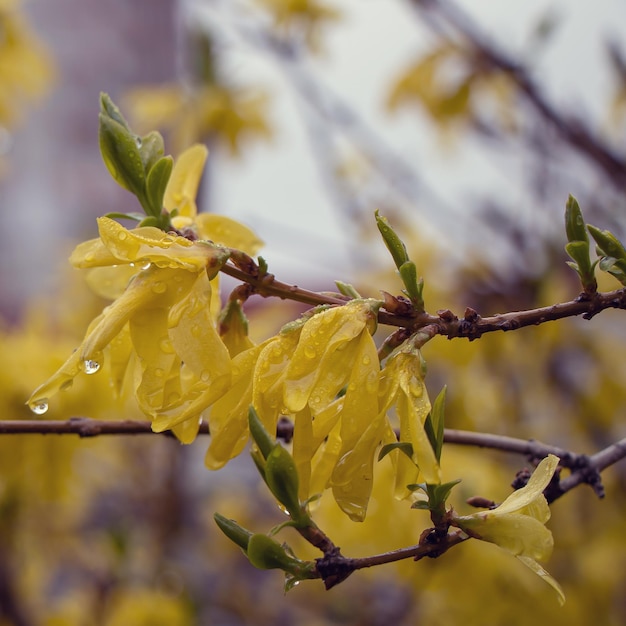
point(182, 187)
point(533, 490)
point(227, 232)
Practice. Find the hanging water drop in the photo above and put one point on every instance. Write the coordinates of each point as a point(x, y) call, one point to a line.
point(90, 366)
point(39, 407)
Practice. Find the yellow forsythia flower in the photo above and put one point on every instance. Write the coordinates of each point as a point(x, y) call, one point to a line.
point(162, 319)
point(518, 524)
point(402, 386)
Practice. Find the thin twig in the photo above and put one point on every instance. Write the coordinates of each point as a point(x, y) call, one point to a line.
point(572, 130)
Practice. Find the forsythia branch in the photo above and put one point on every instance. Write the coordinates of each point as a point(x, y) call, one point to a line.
point(584, 469)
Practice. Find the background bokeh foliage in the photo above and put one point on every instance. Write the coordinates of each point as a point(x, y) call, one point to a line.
point(111, 531)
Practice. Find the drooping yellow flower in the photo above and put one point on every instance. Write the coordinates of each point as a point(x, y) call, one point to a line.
point(331, 387)
point(163, 318)
point(402, 386)
point(518, 524)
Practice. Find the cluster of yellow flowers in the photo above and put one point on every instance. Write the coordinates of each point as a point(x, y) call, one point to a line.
point(161, 336)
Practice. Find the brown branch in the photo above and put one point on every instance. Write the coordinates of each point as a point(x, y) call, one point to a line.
point(445, 323)
point(585, 469)
point(335, 568)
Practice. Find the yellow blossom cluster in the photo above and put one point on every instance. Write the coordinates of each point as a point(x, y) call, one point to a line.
point(160, 336)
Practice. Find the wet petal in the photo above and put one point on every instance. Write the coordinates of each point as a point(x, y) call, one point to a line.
point(182, 187)
point(227, 232)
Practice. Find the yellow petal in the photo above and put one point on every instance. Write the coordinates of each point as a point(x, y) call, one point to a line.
point(152, 245)
point(149, 332)
point(92, 253)
point(269, 375)
point(325, 460)
point(535, 567)
point(151, 288)
point(303, 451)
point(227, 232)
point(118, 357)
point(321, 335)
point(110, 282)
point(195, 337)
point(361, 397)
point(532, 493)
point(228, 418)
point(182, 187)
point(353, 477)
point(62, 378)
point(518, 534)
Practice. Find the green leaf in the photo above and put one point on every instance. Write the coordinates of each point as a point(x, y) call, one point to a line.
point(441, 492)
point(157, 180)
point(421, 504)
point(435, 423)
point(137, 217)
point(151, 148)
point(403, 446)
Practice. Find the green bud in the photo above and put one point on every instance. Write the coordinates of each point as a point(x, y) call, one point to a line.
point(266, 553)
point(574, 222)
point(608, 243)
point(237, 534)
point(392, 241)
point(260, 436)
point(414, 287)
point(108, 108)
point(281, 476)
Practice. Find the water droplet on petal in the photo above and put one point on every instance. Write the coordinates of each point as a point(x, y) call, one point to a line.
point(39, 407)
point(159, 287)
point(205, 376)
point(166, 346)
point(310, 352)
point(90, 366)
point(138, 141)
point(146, 266)
point(122, 235)
point(159, 372)
point(366, 360)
